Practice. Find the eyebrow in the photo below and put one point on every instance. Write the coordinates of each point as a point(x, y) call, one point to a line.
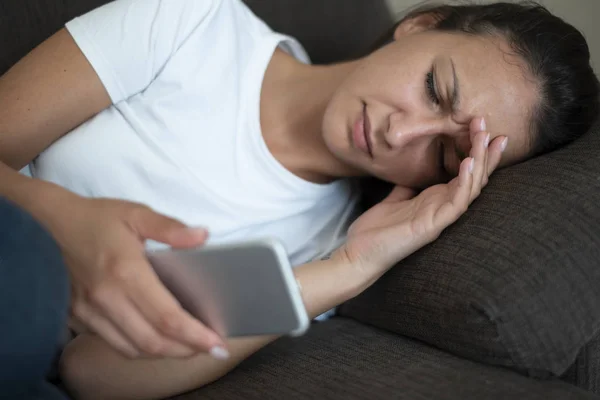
point(454, 100)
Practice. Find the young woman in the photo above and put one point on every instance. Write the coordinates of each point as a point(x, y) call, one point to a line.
point(154, 114)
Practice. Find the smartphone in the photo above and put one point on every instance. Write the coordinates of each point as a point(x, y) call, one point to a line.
point(241, 289)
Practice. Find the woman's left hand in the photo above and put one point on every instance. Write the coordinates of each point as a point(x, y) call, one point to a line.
point(403, 223)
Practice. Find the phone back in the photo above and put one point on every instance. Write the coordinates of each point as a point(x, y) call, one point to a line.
point(236, 290)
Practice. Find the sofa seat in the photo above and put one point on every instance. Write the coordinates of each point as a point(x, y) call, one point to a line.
point(345, 359)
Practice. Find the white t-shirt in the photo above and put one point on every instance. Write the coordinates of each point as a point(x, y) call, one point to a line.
point(183, 135)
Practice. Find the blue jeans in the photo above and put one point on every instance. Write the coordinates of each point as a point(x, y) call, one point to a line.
point(34, 302)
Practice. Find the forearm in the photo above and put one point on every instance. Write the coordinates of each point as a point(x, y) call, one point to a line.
point(93, 370)
point(43, 200)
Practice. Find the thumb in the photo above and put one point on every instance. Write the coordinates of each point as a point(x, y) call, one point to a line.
point(399, 193)
point(150, 225)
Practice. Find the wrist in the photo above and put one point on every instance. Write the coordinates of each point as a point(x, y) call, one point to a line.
point(326, 284)
point(363, 272)
point(49, 204)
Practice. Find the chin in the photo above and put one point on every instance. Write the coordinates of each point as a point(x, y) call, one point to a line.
point(335, 133)
point(338, 120)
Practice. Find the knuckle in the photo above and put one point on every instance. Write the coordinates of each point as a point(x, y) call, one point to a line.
point(169, 323)
point(150, 344)
point(121, 272)
point(121, 344)
point(129, 352)
point(79, 310)
point(138, 211)
point(99, 293)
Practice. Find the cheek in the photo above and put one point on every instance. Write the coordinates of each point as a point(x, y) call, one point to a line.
point(407, 169)
point(376, 74)
point(336, 120)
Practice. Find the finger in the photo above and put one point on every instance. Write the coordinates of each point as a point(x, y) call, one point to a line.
point(477, 125)
point(486, 145)
point(400, 193)
point(167, 316)
point(462, 193)
point(478, 152)
point(105, 329)
point(495, 151)
point(151, 225)
point(77, 326)
point(138, 330)
point(459, 201)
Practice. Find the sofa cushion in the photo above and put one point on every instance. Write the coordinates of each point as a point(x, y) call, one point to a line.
point(515, 281)
point(343, 359)
point(26, 23)
point(585, 373)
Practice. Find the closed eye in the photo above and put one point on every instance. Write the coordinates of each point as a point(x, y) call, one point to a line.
point(431, 89)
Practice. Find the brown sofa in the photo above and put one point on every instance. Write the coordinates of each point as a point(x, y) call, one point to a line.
point(506, 304)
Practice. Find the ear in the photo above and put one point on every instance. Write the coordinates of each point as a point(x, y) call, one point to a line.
point(416, 24)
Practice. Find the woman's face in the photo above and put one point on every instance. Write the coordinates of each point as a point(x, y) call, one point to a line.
point(403, 115)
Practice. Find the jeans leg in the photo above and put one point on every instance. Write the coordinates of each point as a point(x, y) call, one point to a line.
point(34, 301)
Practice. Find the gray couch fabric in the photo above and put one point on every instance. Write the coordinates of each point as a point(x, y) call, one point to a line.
point(515, 281)
point(331, 30)
point(585, 373)
point(344, 359)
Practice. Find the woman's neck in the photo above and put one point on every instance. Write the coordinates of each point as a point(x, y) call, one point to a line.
point(293, 101)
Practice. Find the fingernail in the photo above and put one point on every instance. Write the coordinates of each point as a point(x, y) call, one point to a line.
point(486, 143)
point(219, 353)
point(482, 124)
point(471, 165)
point(504, 144)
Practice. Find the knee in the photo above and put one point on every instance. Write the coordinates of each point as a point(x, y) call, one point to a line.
point(34, 291)
point(31, 265)
point(34, 276)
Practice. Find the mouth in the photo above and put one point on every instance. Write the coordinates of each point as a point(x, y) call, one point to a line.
point(367, 129)
point(361, 134)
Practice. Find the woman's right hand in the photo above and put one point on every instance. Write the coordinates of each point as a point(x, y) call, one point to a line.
point(115, 292)
point(403, 223)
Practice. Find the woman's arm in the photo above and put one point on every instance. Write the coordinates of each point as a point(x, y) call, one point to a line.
point(44, 96)
point(387, 233)
point(92, 370)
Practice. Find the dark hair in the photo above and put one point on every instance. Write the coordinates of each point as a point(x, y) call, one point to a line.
point(556, 54)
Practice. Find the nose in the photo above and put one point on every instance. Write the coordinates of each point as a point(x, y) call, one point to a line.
point(404, 129)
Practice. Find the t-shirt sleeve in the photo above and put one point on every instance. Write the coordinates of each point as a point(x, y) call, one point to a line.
point(128, 42)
